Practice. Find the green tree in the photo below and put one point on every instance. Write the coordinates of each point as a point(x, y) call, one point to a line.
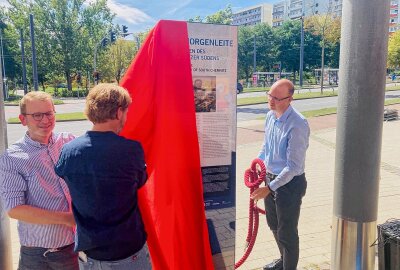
point(327, 28)
point(11, 53)
point(115, 61)
point(394, 50)
point(288, 40)
point(223, 16)
point(266, 47)
point(245, 52)
point(66, 33)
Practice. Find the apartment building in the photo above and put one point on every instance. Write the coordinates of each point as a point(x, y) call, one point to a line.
point(293, 9)
point(253, 15)
point(394, 23)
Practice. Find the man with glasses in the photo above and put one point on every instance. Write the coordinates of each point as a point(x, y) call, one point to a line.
point(283, 152)
point(33, 194)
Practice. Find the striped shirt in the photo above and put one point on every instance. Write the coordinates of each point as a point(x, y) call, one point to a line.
point(27, 177)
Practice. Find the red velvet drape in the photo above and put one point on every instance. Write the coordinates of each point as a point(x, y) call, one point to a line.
point(162, 118)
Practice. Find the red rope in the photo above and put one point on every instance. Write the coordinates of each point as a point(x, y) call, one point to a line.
point(252, 179)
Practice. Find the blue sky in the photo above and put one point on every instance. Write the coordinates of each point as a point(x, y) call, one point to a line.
point(140, 15)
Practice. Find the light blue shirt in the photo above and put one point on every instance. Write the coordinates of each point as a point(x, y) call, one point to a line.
point(285, 144)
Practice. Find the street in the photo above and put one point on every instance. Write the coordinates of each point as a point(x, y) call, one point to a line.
point(244, 113)
point(251, 112)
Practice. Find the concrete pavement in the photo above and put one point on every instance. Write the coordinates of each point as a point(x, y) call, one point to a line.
point(316, 213)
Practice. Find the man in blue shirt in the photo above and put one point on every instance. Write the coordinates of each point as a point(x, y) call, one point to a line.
point(104, 172)
point(284, 151)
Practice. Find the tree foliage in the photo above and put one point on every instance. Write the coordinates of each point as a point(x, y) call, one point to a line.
point(66, 33)
point(12, 56)
point(223, 16)
point(394, 50)
point(116, 59)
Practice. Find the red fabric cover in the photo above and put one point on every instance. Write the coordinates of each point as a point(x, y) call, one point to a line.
point(162, 117)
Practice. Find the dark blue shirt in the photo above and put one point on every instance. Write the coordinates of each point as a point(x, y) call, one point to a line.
point(103, 172)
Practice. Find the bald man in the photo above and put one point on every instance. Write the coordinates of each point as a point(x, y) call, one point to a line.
point(283, 152)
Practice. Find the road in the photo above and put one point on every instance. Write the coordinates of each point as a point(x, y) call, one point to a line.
point(304, 90)
point(245, 113)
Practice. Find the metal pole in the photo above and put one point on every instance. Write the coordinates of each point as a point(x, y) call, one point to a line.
point(34, 64)
point(254, 57)
point(23, 63)
point(3, 66)
point(94, 58)
point(88, 81)
point(301, 46)
point(137, 42)
point(5, 240)
point(363, 52)
point(321, 82)
point(94, 65)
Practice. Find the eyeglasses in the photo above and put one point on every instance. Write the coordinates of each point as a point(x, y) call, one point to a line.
point(277, 99)
point(39, 116)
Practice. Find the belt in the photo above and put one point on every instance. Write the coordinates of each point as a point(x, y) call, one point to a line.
point(45, 251)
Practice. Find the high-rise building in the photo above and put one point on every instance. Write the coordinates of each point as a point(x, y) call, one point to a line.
point(253, 15)
point(394, 16)
point(294, 9)
point(279, 13)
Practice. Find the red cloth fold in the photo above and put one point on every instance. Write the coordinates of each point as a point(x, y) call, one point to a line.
point(162, 117)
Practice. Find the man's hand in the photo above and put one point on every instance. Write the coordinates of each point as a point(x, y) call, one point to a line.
point(260, 193)
point(69, 219)
point(35, 215)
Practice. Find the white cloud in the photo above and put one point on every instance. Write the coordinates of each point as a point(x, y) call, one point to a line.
point(178, 7)
point(4, 3)
point(129, 14)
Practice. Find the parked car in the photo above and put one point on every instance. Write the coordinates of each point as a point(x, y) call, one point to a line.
point(239, 88)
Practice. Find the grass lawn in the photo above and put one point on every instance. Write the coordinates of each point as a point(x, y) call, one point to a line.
point(256, 100)
point(61, 117)
point(327, 111)
point(304, 95)
point(16, 102)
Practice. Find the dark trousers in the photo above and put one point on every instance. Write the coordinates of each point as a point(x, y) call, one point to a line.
point(36, 258)
point(283, 211)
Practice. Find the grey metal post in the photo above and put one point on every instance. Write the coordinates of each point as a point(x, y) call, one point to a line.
point(302, 45)
point(5, 240)
point(34, 64)
point(23, 62)
point(3, 66)
point(94, 58)
point(254, 56)
point(88, 81)
point(363, 54)
point(138, 42)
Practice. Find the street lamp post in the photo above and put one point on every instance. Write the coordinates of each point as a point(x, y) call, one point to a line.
point(254, 56)
point(34, 64)
point(301, 46)
point(4, 80)
point(23, 62)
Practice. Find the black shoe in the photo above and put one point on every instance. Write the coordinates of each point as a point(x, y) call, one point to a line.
point(275, 265)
